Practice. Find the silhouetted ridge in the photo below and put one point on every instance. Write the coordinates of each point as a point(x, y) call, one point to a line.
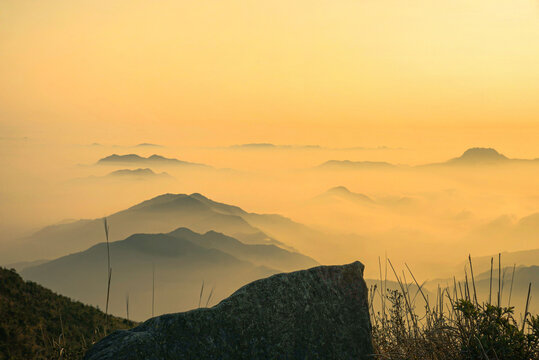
point(137, 159)
point(169, 202)
point(343, 193)
point(182, 259)
point(267, 255)
point(140, 172)
point(163, 214)
point(125, 158)
point(480, 155)
point(483, 156)
point(339, 190)
point(148, 145)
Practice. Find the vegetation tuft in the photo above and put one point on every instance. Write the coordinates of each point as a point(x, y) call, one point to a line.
point(456, 327)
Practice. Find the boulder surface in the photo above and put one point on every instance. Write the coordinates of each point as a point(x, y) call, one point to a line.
point(319, 313)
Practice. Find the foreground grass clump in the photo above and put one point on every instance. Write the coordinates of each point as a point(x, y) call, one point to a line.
point(36, 323)
point(488, 331)
point(457, 327)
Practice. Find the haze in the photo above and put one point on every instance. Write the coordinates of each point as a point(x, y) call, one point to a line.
point(408, 83)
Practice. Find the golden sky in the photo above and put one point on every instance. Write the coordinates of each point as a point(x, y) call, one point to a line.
point(347, 72)
point(403, 81)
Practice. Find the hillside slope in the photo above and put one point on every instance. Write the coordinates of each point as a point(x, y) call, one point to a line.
point(33, 318)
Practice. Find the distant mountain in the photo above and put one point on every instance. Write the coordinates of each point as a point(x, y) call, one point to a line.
point(137, 173)
point(148, 145)
point(471, 157)
point(483, 156)
point(140, 174)
point(179, 262)
point(522, 232)
point(355, 165)
point(254, 146)
point(342, 193)
point(163, 214)
point(479, 155)
point(518, 258)
point(33, 319)
point(19, 266)
point(269, 255)
point(115, 159)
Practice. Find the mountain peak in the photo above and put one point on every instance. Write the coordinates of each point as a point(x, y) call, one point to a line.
point(153, 159)
point(344, 193)
point(198, 196)
point(159, 157)
point(339, 190)
point(479, 156)
point(116, 157)
point(482, 154)
point(139, 171)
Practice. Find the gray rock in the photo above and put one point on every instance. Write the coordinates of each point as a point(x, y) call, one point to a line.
point(320, 313)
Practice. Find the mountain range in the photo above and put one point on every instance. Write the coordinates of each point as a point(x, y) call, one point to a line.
point(482, 157)
point(518, 258)
point(137, 174)
point(472, 157)
point(175, 264)
point(161, 214)
point(342, 193)
point(140, 174)
point(135, 159)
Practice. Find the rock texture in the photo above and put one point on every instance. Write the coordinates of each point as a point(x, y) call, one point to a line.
point(320, 313)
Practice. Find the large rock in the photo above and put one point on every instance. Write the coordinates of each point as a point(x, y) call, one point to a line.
point(320, 313)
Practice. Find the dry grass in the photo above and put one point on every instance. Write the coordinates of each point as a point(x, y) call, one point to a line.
point(454, 326)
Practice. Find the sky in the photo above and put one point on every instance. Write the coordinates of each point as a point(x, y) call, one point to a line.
point(408, 82)
point(202, 73)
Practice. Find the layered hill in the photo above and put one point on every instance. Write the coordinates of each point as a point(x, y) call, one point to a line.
point(523, 258)
point(342, 193)
point(163, 214)
point(123, 175)
point(36, 323)
point(476, 156)
point(175, 265)
point(137, 173)
point(134, 159)
point(267, 255)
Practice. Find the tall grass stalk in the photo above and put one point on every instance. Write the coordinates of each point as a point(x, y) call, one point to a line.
point(201, 292)
point(511, 288)
point(153, 289)
point(127, 306)
point(109, 271)
point(209, 297)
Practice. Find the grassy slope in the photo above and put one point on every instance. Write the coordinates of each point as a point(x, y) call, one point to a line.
point(33, 319)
